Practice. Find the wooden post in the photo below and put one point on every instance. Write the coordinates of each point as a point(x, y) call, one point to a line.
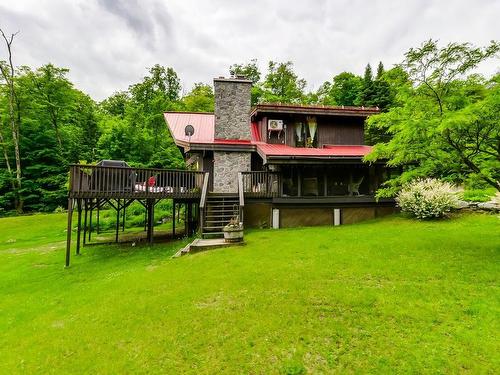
point(90, 223)
point(123, 216)
point(68, 234)
point(98, 210)
point(299, 187)
point(79, 228)
point(85, 208)
point(325, 181)
point(186, 222)
point(150, 208)
point(117, 219)
point(173, 219)
point(190, 219)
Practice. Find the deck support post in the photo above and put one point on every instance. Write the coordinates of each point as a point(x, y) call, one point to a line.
point(90, 221)
point(97, 218)
point(150, 209)
point(68, 228)
point(173, 219)
point(190, 230)
point(117, 219)
point(79, 227)
point(85, 208)
point(123, 216)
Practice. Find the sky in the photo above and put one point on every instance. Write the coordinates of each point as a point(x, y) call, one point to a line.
point(109, 44)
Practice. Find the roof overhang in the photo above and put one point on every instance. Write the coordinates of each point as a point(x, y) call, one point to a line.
point(313, 110)
point(312, 160)
point(188, 147)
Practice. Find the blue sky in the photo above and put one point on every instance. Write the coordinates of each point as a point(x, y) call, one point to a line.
point(108, 45)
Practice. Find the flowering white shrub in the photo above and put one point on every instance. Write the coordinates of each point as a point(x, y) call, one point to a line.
point(427, 198)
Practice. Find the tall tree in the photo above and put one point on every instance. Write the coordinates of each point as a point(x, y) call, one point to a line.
point(8, 72)
point(366, 94)
point(282, 84)
point(346, 88)
point(436, 128)
point(250, 71)
point(380, 70)
point(53, 95)
point(199, 99)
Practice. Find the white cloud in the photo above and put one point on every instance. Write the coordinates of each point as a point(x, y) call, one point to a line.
point(108, 44)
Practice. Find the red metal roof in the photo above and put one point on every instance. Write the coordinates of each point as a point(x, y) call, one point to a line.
point(349, 150)
point(328, 151)
point(203, 124)
point(314, 109)
point(254, 130)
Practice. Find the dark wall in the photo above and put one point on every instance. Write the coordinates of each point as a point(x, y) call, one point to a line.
point(332, 130)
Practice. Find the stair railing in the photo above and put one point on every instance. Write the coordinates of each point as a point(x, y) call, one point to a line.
point(203, 200)
point(241, 196)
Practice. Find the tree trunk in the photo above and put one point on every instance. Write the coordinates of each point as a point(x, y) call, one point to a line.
point(5, 152)
point(9, 78)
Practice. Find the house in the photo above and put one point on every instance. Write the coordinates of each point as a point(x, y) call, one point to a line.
point(279, 165)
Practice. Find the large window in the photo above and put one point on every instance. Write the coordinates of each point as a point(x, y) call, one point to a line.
point(306, 132)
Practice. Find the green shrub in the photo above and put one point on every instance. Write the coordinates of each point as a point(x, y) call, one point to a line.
point(427, 198)
point(478, 195)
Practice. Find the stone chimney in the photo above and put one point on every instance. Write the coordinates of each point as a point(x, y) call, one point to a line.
point(232, 107)
point(232, 121)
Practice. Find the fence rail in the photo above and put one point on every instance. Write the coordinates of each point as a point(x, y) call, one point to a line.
point(91, 181)
point(261, 184)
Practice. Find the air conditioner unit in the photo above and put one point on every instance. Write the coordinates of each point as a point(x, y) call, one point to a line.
point(275, 125)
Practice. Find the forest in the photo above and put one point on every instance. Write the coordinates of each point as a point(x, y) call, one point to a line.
point(438, 118)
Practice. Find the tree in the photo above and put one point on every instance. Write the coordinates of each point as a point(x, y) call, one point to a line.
point(249, 71)
point(199, 99)
point(116, 104)
point(52, 93)
point(345, 89)
point(444, 125)
point(366, 93)
point(8, 73)
point(282, 85)
point(132, 125)
point(380, 70)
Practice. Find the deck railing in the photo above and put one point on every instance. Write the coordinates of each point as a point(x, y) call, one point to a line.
point(203, 199)
point(261, 184)
point(241, 196)
point(91, 181)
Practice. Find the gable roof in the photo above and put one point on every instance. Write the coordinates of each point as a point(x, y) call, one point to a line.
point(203, 124)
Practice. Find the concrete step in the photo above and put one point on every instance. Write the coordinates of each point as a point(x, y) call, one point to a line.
point(212, 235)
point(211, 228)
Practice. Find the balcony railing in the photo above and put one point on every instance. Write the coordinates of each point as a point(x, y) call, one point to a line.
point(90, 181)
point(261, 184)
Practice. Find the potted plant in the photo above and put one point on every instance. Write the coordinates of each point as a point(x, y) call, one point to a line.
point(233, 232)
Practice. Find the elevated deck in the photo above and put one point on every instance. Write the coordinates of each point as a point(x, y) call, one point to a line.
point(91, 181)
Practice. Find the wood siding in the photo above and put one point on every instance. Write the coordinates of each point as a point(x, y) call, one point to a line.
point(332, 130)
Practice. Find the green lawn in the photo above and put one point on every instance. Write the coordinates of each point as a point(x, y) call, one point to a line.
point(386, 295)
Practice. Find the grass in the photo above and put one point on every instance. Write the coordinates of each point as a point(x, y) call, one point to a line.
point(390, 295)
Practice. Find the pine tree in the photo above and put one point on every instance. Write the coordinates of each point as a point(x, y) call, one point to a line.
point(380, 70)
point(366, 94)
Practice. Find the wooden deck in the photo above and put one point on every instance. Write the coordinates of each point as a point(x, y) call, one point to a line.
point(90, 181)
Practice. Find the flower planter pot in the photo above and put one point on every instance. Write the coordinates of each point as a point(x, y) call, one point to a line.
point(233, 234)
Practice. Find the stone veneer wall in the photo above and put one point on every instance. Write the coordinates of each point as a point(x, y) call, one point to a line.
point(232, 108)
point(226, 168)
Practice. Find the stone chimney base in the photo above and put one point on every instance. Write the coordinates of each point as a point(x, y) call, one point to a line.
point(226, 168)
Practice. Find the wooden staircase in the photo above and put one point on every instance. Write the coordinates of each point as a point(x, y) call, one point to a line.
point(218, 211)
